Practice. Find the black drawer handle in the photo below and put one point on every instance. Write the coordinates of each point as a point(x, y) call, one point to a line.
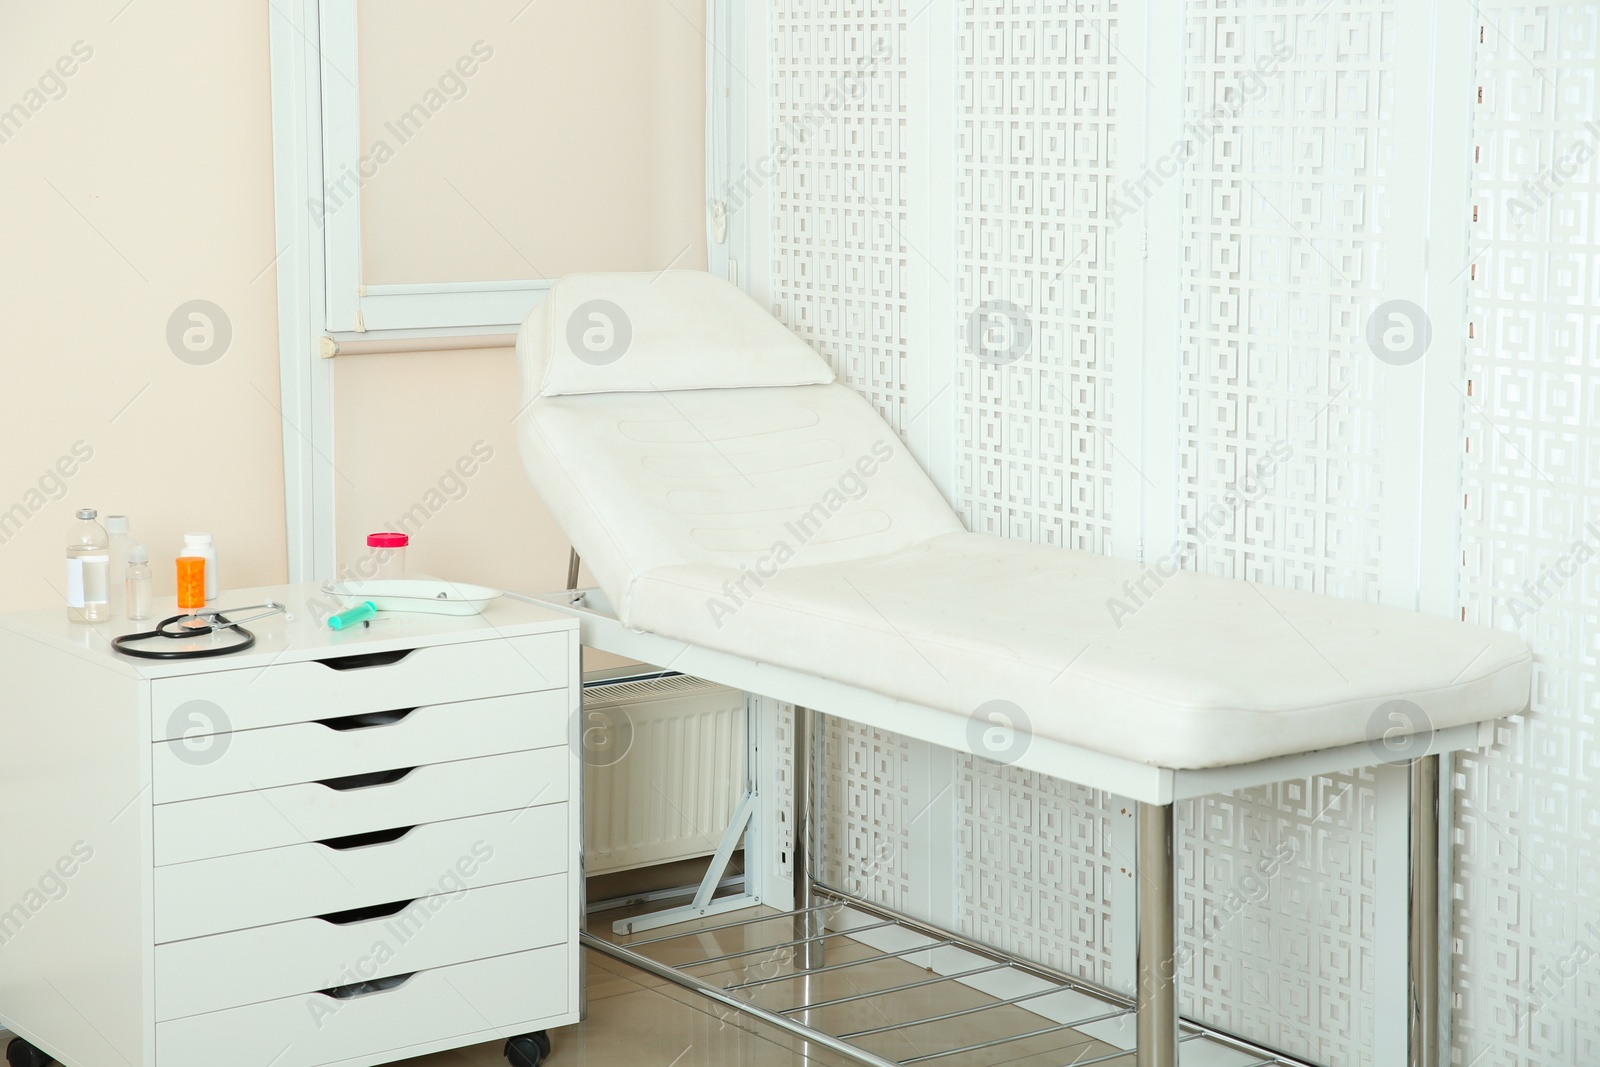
point(365, 660)
point(366, 720)
point(372, 837)
point(356, 990)
point(366, 914)
point(366, 781)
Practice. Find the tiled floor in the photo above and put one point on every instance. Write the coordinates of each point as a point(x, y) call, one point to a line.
point(779, 991)
point(636, 1020)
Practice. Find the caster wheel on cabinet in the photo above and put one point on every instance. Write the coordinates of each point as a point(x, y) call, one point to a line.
point(528, 1050)
point(21, 1054)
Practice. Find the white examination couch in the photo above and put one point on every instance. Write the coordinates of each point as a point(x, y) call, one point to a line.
point(750, 520)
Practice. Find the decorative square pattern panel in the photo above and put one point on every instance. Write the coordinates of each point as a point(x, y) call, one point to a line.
point(1034, 449)
point(1526, 982)
point(865, 814)
point(1284, 209)
point(839, 256)
point(1036, 144)
point(838, 198)
point(1286, 243)
point(1275, 889)
point(783, 786)
point(1281, 448)
point(1035, 867)
point(1035, 241)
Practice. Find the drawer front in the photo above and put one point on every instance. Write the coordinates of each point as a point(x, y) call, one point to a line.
point(463, 1004)
point(312, 752)
point(317, 689)
point(295, 814)
point(207, 974)
point(214, 896)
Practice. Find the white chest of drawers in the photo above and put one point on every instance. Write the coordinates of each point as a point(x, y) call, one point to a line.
point(334, 848)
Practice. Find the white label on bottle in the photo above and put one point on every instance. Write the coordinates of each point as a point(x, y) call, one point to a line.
point(96, 575)
point(74, 582)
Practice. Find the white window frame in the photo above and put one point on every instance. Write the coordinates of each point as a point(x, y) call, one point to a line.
point(321, 295)
point(305, 380)
point(353, 306)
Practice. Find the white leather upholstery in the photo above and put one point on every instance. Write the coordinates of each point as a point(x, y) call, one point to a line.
point(789, 525)
point(665, 330)
point(1207, 672)
point(725, 478)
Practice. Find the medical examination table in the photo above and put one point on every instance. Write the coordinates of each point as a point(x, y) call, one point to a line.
point(752, 521)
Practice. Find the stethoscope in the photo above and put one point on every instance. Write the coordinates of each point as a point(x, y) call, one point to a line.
point(197, 624)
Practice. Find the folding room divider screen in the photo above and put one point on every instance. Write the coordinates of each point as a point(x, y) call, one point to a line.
point(1299, 292)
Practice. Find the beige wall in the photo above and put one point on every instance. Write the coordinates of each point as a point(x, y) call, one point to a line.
point(141, 181)
point(457, 487)
point(144, 180)
point(526, 140)
point(577, 146)
point(425, 443)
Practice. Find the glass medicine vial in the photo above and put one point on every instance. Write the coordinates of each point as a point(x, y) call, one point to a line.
point(88, 569)
point(139, 588)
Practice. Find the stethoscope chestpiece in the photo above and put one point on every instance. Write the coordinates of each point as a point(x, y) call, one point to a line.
point(197, 624)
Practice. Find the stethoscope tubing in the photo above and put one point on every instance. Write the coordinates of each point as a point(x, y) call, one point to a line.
point(219, 621)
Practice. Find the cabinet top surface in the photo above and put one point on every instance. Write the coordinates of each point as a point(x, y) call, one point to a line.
point(299, 635)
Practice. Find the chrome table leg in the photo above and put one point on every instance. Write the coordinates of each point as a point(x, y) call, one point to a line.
point(810, 922)
point(1157, 1028)
point(1423, 986)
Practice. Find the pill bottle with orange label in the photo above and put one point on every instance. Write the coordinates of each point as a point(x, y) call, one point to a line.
point(191, 583)
point(199, 545)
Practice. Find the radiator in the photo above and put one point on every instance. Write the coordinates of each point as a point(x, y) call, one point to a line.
point(666, 785)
